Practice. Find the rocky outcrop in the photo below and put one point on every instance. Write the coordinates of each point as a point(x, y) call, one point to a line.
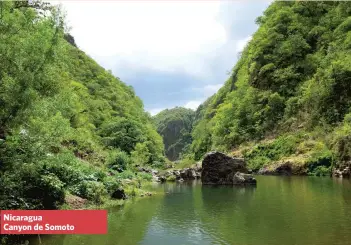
point(283, 168)
point(188, 174)
point(218, 168)
point(342, 172)
point(70, 39)
point(155, 173)
point(243, 179)
point(159, 178)
point(179, 175)
point(176, 174)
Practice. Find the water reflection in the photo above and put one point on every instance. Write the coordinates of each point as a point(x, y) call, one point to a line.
point(280, 210)
point(225, 211)
point(178, 217)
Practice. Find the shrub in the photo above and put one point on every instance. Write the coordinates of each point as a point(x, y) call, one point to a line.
point(91, 190)
point(72, 171)
point(69, 175)
point(141, 154)
point(54, 194)
point(258, 162)
point(342, 138)
point(128, 174)
point(145, 176)
point(157, 164)
point(118, 159)
point(111, 184)
point(99, 174)
point(321, 171)
point(132, 191)
point(265, 153)
point(27, 188)
point(320, 162)
point(185, 163)
point(171, 178)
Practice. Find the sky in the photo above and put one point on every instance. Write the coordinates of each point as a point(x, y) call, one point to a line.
point(173, 53)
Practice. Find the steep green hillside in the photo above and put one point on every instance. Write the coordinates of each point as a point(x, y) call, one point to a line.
point(175, 127)
point(289, 96)
point(66, 124)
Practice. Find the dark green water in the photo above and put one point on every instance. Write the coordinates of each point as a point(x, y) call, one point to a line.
point(280, 210)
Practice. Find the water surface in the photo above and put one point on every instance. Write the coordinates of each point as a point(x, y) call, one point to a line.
point(280, 210)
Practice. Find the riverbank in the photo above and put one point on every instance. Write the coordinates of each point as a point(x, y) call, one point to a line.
point(73, 202)
point(131, 192)
point(300, 153)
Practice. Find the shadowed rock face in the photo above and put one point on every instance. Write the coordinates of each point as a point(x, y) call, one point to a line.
point(188, 173)
point(218, 168)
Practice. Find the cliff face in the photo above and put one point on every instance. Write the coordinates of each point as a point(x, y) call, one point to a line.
point(175, 126)
point(289, 96)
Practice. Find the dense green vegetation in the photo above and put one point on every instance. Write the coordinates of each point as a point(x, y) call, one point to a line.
point(175, 126)
point(66, 124)
point(292, 85)
point(70, 128)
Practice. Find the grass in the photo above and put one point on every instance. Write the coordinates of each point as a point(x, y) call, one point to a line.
point(185, 163)
point(307, 153)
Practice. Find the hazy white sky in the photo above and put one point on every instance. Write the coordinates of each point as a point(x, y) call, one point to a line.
point(174, 53)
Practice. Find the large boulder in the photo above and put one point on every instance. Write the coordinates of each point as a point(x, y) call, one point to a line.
point(188, 174)
point(218, 168)
point(119, 194)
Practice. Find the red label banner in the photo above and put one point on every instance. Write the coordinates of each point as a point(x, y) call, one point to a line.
point(53, 222)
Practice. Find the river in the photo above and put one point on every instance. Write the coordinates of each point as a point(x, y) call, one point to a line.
point(280, 210)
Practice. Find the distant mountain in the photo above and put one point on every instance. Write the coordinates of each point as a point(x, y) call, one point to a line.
point(175, 125)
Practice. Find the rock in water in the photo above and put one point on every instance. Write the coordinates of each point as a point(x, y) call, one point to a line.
point(243, 179)
point(218, 168)
point(161, 179)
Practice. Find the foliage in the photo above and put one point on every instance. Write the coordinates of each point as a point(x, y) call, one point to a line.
point(128, 174)
point(171, 178)
point(265, 153)
point(145, 176)
point(64, 120)
point(28, 188)
point(141, 154)
point(185, 163)
point(112, 184)
point(321, 171)
point(91, 190)
point(293, 75)
point(341, 140)
point(118, 160)
point(123, 134)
